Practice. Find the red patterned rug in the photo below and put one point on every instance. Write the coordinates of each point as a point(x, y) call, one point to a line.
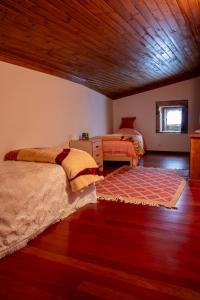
point(140, 185)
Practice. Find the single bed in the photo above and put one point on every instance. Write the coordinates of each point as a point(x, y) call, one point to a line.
point(34, 195)
point(124, 145)
point(127, 144)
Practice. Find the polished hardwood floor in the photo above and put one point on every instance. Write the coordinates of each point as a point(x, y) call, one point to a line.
point(112, 251)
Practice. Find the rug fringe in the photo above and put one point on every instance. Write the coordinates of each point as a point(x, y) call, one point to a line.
point(130, 201)
point(178, 192)
point(136, 201)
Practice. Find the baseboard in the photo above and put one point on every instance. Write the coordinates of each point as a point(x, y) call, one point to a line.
point(168, 152)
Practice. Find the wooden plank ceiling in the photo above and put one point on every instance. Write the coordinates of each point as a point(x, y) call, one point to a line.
point(116, 47)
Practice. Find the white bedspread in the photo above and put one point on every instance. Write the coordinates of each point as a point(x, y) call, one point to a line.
point(33, 196)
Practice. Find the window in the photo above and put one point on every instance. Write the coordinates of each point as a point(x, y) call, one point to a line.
point(172, 116)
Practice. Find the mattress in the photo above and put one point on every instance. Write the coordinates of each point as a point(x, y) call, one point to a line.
point(126, 144)
point(119, 148)
point(32, 197)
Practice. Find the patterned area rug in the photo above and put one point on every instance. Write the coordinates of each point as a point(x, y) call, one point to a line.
point(140, 185)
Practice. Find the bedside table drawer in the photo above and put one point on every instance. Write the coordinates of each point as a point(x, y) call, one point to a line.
point(96, 145)
point(98, 155)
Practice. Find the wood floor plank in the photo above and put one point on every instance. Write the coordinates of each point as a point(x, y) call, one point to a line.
point(115, 274)
point(113, 250)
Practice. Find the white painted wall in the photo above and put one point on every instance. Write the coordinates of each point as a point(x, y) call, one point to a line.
point(38, 109)
point(144, 108)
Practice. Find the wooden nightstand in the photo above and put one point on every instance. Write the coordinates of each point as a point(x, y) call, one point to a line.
point(93, 147)
point(195, 156)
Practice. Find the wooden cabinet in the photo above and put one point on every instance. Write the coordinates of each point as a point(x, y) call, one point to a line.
point(195, 156)
point(93, 147)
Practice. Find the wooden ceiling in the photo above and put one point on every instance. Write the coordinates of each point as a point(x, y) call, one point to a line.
point(116, 47)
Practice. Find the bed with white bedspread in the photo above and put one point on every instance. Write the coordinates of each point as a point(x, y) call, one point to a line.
point(34, 195)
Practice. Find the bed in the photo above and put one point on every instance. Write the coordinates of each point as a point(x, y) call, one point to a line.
point(34, 195)
point(124, 145)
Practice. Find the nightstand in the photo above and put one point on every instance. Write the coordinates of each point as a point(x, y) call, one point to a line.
point(93, 147)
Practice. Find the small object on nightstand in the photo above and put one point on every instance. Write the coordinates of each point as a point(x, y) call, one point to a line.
point(92, 146)
point(84, 136)
point(87, 136)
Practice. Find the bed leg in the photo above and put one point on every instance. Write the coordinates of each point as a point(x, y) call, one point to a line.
point(131, 163)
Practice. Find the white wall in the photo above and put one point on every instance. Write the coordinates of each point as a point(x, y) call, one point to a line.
point(38, 109)
point(144, 108)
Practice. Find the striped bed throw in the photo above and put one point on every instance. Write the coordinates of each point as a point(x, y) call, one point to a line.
point(79, 166)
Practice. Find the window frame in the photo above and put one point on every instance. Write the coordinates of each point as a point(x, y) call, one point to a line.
point(160, 105)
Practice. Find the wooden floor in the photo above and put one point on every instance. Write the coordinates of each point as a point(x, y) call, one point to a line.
point(113, 251)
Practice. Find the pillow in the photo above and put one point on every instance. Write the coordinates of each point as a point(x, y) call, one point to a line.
point(128, 131)
point(127, 122)
point(79, 166)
